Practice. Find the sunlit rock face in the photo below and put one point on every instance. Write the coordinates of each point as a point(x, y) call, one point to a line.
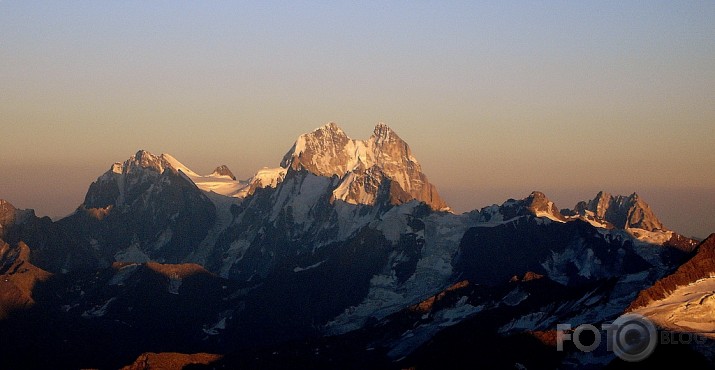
point(360, 164)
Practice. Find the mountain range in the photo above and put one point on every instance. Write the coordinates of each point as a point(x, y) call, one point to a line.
point(343, 256)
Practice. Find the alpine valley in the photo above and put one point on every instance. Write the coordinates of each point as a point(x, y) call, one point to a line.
point(343, 256)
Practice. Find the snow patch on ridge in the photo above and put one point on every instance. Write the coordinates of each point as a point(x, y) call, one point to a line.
point(652, 237)
point(688, 308)
point(549, 215)
point(299, 269)
point(173, 162)
point(132, 254)
point(98, 311)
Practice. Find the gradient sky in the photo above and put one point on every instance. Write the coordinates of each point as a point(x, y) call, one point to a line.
point(496, 99)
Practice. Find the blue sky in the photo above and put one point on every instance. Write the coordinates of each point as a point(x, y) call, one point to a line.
point(495, 98)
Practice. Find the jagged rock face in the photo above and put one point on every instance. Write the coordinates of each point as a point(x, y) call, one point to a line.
point(328, 151)
point(365, 186)
point(621, 211)
point(7, 217)
point(395, 159)
point(539, 204)
point(223, 171)
point(7, 213)
point(360, 186)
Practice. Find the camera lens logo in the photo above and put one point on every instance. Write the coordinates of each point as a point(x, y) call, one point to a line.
point(632, 337)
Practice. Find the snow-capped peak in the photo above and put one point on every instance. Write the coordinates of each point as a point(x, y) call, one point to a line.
point(541, 206)
point(144, 160)
point(328, 151)
point(325, 151)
